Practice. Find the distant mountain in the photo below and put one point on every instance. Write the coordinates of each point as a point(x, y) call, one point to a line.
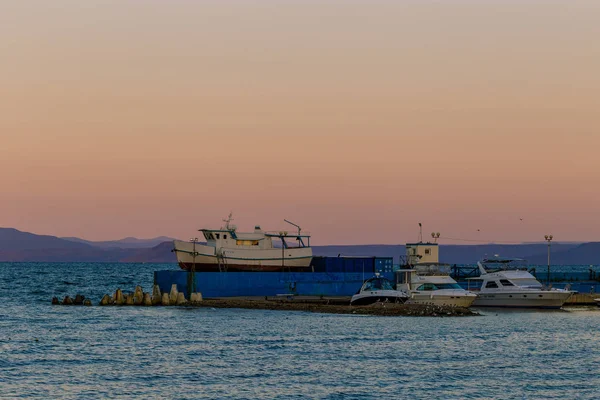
point(367, 250)
point(158, 254)
point(126, 243)
point(583, 254)
point(451, 254)
point(470, 254)
point(15, 240)
point(23, 246)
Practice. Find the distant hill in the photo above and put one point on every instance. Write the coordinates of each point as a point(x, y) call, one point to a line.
point(470, 254)
point(15, 240)
point(583, 254)
point(451, 254)
point(126, 243)
point(158, 254)
point(23, 246)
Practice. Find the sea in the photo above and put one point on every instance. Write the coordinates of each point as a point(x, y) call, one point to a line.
point(78, 352)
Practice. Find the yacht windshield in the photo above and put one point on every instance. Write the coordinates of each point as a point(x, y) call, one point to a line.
point(438, 286)
point(378, 284)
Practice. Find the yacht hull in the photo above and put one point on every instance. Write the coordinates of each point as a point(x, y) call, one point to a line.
point(366, 298)
point(443, 300)
point(533, 299)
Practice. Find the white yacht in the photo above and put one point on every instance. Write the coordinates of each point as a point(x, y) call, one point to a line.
point(226, 249)
point(427, 280)
point(507, 286)
point(378, 289)
point(432, 284)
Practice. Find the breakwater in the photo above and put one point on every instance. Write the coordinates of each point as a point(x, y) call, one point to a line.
point(330, 306)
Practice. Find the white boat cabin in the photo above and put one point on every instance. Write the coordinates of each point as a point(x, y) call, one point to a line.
point(228, 237)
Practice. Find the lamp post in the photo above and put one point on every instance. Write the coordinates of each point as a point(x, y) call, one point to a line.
point(192, 273)
point(548, 239)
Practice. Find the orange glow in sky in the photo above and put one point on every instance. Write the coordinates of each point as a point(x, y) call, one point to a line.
point(355, 119)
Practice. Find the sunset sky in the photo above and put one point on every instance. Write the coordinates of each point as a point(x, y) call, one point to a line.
point(356, 119)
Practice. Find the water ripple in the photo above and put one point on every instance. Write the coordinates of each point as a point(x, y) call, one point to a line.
point(94, 352)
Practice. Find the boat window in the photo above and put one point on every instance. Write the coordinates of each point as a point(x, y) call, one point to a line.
point(527, 283)
point(439, 286)
point(224, 236)
point(427, 251)
point(491, 284)
point(427, 286)
point(217, 235)
point(506, 282)
point(448, 286)
point(246, 242)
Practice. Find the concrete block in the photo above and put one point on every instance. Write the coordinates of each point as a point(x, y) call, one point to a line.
point(165, 300)
point(138, 296)
point(106, 300)
point(118, 298)
point(156, 296)
point(147, 299)
point(78, 299)
point(196, 297)
point(173, 294)
point(180, 299)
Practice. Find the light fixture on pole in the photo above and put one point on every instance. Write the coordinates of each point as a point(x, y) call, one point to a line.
point(548, 239)
point(191, 275)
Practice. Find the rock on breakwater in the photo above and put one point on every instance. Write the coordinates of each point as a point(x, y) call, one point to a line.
point(383, 309)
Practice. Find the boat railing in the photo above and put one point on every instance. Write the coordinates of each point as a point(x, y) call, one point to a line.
point(286, 234)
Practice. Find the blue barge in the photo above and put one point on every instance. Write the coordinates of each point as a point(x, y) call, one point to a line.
point(327, 276)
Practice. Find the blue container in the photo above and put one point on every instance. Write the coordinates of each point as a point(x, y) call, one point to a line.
point(332, 276)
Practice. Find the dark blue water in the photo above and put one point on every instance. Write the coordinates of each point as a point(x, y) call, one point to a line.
point(97, 352)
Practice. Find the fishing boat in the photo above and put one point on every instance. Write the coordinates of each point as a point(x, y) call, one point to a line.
point(226, 249)
point(378, 289)
point(431, 284)
point(503, 285)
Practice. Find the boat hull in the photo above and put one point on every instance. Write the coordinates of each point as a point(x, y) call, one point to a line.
point(205, 258)
point(390, 296)
point(459, 300)
point(227, 267)
point(530, 299)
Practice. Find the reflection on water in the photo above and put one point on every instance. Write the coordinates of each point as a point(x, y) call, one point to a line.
point(87, 352)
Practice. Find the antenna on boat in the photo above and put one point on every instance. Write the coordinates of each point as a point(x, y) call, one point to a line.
point(228, 220)
point(297, 226)
point(420, 233)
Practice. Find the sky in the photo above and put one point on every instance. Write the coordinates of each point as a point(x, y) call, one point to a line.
point(355, 119)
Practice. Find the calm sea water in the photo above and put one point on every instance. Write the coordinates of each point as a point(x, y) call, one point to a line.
point(97, 352)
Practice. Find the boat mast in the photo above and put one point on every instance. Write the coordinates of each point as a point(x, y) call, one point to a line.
point(228, 220)
point(297, 226)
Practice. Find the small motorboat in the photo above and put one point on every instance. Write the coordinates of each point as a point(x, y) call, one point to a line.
point(378, 289)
